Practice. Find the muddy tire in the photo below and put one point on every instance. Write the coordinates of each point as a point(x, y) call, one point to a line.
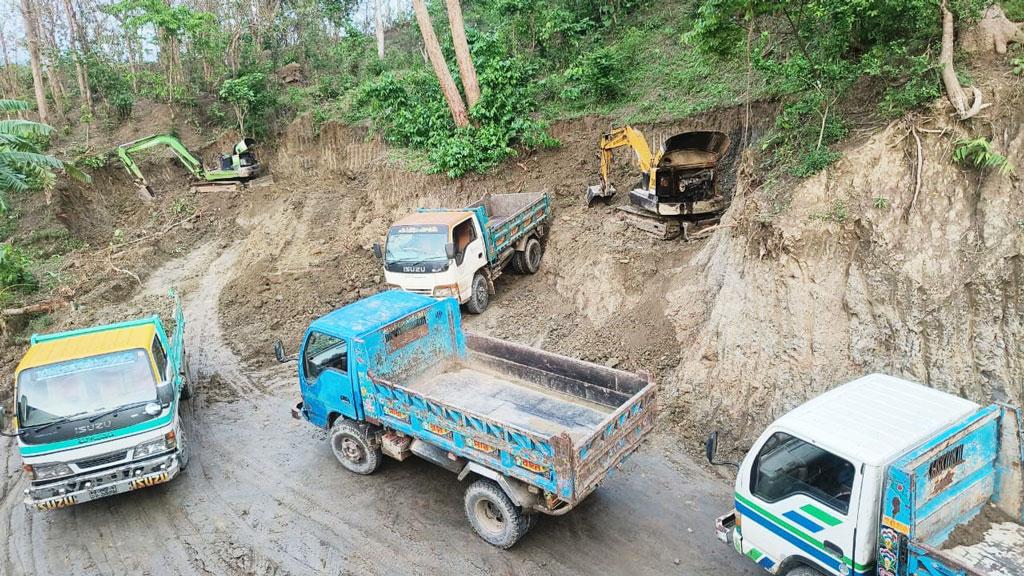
point(528, 261)
point(531, 256)
point(493, 515)
point(480, 298)
point(186, 380)
point(352, 447)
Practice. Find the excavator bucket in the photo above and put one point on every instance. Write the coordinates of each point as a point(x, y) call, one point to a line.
point(599, 192)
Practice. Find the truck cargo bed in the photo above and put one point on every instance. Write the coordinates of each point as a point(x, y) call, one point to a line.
point(536, 409)
point(1000, 552)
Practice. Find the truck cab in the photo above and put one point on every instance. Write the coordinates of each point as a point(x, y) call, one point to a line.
point(435, 253)
point(97, 411)
point(812, 491)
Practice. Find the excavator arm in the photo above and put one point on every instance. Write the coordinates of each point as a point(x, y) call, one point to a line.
point(619, 138)
point(124, 152)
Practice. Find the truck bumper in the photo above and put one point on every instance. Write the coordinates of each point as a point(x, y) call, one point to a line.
point(93, 486)
point(724, 526)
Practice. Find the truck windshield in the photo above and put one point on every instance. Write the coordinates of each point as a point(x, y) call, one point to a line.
point(416, 243)
point(84, 386)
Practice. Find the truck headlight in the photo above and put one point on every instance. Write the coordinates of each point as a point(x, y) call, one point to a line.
point(48, 471)
point(444, 291)
point(168, 442)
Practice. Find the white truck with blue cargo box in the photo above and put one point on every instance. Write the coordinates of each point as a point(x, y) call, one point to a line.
point(882, 476)
point(459, 253)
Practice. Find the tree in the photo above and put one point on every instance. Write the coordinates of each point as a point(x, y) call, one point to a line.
point(23, 165)
point(28, 13)
point(241, 93)
point(81, 49)
point(378, 17)
point(466, 69)
point(451, 92)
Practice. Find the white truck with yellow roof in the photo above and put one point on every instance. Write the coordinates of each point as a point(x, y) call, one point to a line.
point(97, 411)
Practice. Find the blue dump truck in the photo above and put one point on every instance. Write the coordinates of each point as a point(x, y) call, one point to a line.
point(883, 476)
point(394, 374)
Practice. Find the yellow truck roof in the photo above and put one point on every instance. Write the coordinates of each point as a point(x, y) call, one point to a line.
point(89, 344)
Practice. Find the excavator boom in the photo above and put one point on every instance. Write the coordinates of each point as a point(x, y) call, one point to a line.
point(618, 138)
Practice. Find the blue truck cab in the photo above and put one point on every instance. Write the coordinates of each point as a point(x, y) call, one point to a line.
point(885, 477)
point(395, 375)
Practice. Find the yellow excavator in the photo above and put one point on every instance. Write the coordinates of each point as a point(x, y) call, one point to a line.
point(678, 188)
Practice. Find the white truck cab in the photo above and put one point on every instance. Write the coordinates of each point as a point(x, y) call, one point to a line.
point(809, 493)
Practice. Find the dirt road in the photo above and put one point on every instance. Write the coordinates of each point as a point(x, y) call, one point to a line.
point(263, 495)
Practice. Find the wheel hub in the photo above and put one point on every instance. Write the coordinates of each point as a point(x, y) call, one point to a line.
point(351, 450)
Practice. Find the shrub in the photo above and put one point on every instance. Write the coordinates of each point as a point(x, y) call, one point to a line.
point(14, 273)
point(978, 153)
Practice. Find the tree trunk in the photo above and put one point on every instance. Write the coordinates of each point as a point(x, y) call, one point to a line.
point(451, 92)
point(379, 27)
point(78, 40)
point(28, 13)
point(51, 54)
point(9, 85)
point(466, 69)
point(954, 91)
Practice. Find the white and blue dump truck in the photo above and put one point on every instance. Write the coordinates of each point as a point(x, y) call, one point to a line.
point(883, 476)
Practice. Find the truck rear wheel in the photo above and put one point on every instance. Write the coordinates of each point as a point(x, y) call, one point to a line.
point(479, 299)
point(352, 447)
point(493, 515)
point(528, 261)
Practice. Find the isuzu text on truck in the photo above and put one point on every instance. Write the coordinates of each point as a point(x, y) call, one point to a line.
point(394, 374)
point(459, 253)
point(883, 476)
point(97, 411)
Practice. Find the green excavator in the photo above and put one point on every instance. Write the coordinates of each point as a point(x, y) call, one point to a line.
point(240, 165)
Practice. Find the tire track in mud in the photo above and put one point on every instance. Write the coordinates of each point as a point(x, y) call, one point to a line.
point(263, 495)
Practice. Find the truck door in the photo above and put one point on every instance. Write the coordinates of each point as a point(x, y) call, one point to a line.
point(326, 385)
point(799, 501)
point(470, 254)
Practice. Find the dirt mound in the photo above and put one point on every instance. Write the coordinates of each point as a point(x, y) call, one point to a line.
point(857, 276)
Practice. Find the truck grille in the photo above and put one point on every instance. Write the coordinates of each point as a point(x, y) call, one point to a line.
point(101, 460)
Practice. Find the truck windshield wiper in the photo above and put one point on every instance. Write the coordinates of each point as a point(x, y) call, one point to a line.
point(118, 409)
point(40, 427)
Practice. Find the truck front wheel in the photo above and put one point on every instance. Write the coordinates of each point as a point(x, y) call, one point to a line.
point(353, 449)
point(479, 299)
point(493, 515)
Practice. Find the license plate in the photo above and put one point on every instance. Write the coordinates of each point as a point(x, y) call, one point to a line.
point(102, 491)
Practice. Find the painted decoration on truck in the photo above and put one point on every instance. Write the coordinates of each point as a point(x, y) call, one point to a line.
point(888, 552)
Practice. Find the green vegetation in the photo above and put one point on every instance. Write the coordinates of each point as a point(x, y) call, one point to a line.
point(536, 61)
point(14, 271)
point(23, 164)
point(978, 153)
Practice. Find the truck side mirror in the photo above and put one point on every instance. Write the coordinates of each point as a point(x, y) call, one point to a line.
point(711, 447)
point(377, 251)
point(3, 418)
point(449, 250)
point(164, 394)
point(279, 347)
point(711, 450)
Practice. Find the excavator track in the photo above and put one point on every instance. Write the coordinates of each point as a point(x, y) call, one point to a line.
point(667, 227)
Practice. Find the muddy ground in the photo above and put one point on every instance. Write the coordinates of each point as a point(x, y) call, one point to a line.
point(263, 494)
